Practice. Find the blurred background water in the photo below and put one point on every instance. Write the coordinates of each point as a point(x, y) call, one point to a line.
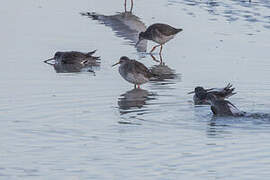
point(93, 125)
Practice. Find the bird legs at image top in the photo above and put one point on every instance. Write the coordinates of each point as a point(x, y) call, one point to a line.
point(131, 7)
point(161, 47)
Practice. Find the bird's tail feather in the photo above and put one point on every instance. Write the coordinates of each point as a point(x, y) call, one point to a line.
point(94, 57)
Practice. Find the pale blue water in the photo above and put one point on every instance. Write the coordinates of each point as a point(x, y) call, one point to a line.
point(94, 126)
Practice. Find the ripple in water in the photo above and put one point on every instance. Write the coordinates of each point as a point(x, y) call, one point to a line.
point(232, 10)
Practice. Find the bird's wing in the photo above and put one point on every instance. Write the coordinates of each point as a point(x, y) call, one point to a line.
point(222, 108)
point(73, 57)
point(222, 92)
point(166, 30)
point(141, 69)
point(233, 108)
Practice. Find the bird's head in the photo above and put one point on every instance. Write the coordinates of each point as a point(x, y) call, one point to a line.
point(57, 55)
point(122, 60)
point(141, 37)
point(200, 92)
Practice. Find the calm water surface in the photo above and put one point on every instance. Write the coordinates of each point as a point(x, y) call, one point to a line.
point(93, 125)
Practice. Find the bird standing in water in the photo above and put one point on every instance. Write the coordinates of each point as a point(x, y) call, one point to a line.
point(159, 33)
point(223, 107)
point(220, 93)
point(133, 71)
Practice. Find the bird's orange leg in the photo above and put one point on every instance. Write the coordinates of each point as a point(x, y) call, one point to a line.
point(154, 58)
point(154, 48)
point(160, 57)
point(160, 49)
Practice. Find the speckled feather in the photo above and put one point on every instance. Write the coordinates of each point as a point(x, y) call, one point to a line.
point(161, 29)
point(135, 67)
point(73, 57)
point(223, 92)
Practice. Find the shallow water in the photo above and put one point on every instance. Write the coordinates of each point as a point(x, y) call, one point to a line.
point(93, 125)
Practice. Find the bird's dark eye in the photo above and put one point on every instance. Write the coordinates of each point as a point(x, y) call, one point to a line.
point(57, 54)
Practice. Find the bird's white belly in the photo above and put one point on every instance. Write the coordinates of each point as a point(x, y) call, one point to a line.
point(163, 39)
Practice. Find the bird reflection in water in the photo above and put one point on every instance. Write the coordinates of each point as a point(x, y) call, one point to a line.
point(125, 25)
point(162, 71)
point(134, 100)
point(218, 128)
point(72, 61)
point(71, 68)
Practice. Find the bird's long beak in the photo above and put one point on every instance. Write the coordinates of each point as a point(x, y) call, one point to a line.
point(46, 61)
point(116, 64)
point(192, 92)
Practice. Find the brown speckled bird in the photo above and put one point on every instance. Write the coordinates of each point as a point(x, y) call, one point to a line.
point(159, 33)
point(133, 71)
